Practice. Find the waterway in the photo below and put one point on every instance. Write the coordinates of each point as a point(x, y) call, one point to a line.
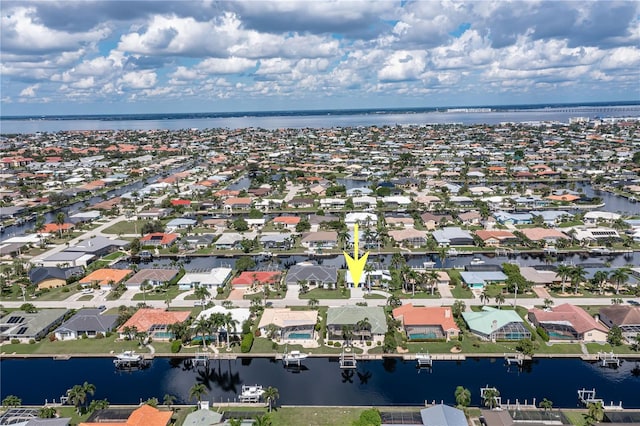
point(321, 382)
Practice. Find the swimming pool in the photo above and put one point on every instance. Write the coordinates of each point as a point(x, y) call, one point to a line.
point(299, 336)
point(418, 336)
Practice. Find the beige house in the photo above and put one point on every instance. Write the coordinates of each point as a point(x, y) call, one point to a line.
point(291, 325)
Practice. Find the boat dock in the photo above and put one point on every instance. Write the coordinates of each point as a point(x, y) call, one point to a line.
point(608, 359)
point(348, 361)
point(516, 358)
point(424, 360)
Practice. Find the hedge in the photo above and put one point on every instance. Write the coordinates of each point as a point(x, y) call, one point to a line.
point(176, 345)
point(543, 333)
point(247, 342)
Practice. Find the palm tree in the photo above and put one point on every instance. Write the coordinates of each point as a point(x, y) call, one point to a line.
point(168, 400)
point(458, 308)
point(262, 420)
point(347, 333)
point(577, 275)
point(344, 238)
point(499, 299)
point(60, 217)
point(313, 303)
point(271, 395)
point(619, 276)
point(432, 280)
point(363, 327)
point(196, 391)
point(202, 326)
point(490, 397)
point(230, 323)
point(76, 396)
point(304, 286)
point(11, 401)
point(47, 412)
point(394, 301)
point(463, 396)
point(636, 343)
point(546, 404)
point(600, 277)
point(548, 303)
point(595, 413)
point(563, 272)
point(235, 422)
point(484, 296)
point(368, 269)
point(201, 293)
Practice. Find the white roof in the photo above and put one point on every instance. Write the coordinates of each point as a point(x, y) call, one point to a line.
point(216, 276)
point(238, 314)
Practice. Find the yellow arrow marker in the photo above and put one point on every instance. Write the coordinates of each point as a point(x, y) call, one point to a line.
point(356, 266)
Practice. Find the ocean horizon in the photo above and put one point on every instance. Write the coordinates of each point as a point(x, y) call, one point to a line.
point(315, 112)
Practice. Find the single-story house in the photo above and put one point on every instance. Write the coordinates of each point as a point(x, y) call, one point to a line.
point(179, 223)
point(52, 276)
point(624, 316)
point(159, 239)
point(595, 234)
point(320, 240)
point(508, 218)
point(496, 324)
point(427, 323)
point(145, 415)
point(277, 241)
point(232, 240)
point(592, 218)
point(478, 279)
point(362, 218)
point(24, 326)
point(538, 276)
point(98, 246)
point(238, 317)
point(204, 417)
point(376, 277)
point(452, 236)
point(443, 415)
point(496, 237)
point(154, 277)
point(259, 278)
point(349, 317)
point(216, 277)
point(199, 241)
point(67, 258)
point(105, 277)
point(568, 322)
point(155, 322)
point(409, 237)
point(292, 325)
point(550, 236)
point(314, 275)
point(286, 222)
point(87, 321)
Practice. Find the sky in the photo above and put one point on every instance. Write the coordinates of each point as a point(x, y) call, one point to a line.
point(113, 57)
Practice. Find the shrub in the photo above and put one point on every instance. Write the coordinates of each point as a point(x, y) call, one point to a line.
point(52, 337)
point(336, 344)
point(368, 342)
point(330, 343)
point(65, 289)
point(15, 341)
point(99, 335)
point(247, 343)
point(32, 341)
point(176, 345)
point(257, 333)
point(542, 333)
point(378, 343)
point(109, 334)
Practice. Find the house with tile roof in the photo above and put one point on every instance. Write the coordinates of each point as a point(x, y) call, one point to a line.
point(315, 275)
point(496, 324)
point(292, 325)
point(156, 322)
point(159, 239)
point(496, 237)
point(427, 323)
point(152, 276)
point(412, 238)
point(259, 278)
point(105, 277)
point(320, 240)
point(549, 236)
point(452, 236)
point(145, 415)
point(624, 316)
point(568, 322)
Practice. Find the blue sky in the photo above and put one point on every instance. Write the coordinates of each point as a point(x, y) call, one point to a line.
point(102, 57)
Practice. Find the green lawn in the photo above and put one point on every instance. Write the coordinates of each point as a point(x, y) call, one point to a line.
point(80, 346)
point(460, 292)
point(316, 416)
point(85, 298)
point(374, 296)
point(321, 293)
point(126, 227)
point(158, 295)
point(594, 348)
point(113, 256)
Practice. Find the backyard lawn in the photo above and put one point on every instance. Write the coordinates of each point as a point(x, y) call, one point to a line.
point(321, 293)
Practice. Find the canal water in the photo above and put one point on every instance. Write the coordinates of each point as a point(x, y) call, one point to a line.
point(320, 381)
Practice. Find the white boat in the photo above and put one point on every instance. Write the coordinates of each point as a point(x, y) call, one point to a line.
point(128, 356)
point(251, 393)
point(600, 251)
point(452, 252)
point(295, 356)
point(476, 261)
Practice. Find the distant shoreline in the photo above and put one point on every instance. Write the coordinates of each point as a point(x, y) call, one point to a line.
point(314, 112)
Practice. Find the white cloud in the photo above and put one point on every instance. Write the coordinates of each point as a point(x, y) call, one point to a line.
point(30, 91)
point(139, 79)
point(403, 65)
point(231, 65)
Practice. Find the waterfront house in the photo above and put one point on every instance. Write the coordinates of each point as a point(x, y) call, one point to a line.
point(595, 218)
point(88, 322)
point(470, 218)
point(237, 203)
point(231, 240)
point(98, 246)
point(496, 324)
point(452, 236)
point(344, 318)
point(256, 278)
point(624, 316)
point(159, 239)
point(213, 279)
point(145, 415)
point(25, 326)
point(496, 237)
point(508, 218)
point(314, 275)
point(286, 222)
point(411, 238)
point(238, 317)
point(427, 323)
point(320, 240)
point(548, 236)
point(380, 277)
point(277, 241)
point(444, 415)
point(552, 217)
point(204, 417)
point(179, 223)
point(567, 322)
point(53, 276)
point(589, 235)
point(479, 279)
point(153, 277)
point(361, 218)
point(538, 276)
point(105, 278)
point(432, 221)
point(155, 322)
point(291, 325)
point(199, 241)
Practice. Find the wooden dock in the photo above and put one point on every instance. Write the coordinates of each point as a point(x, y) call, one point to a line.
point(608, 359)
point(516, 358)
point(348, 361)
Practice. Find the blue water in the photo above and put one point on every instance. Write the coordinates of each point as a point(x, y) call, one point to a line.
point(299, 336)
point(391, 381)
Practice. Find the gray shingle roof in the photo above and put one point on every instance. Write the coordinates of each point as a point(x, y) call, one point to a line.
point(317, 273)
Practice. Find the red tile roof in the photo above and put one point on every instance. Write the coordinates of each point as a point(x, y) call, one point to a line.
point(261, 277)
point(143, 319)
point(432, 315)
point(577, 317)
